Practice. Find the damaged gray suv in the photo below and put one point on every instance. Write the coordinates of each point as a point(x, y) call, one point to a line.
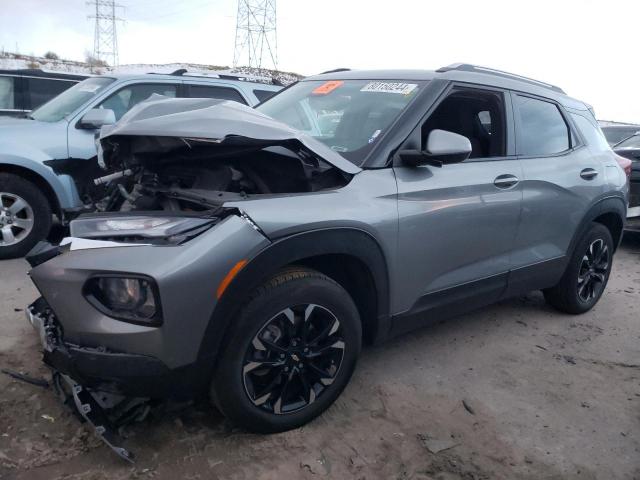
point(253, 252)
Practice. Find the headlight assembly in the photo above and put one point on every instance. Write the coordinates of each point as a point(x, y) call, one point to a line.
point(167, 228)
point(132, 298)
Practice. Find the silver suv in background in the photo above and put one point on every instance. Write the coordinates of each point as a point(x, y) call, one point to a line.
point(262, 247)
point(38, 153)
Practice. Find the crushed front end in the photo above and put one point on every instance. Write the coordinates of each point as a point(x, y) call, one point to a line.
point(128, 298)
point(122, 316)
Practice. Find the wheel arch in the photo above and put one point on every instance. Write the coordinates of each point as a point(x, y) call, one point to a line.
point(610, 212)
point(342, 254)
point(37, 180)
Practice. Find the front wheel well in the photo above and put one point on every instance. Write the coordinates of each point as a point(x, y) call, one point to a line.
point(614, 224)
point(355, 277)
point(37, 180)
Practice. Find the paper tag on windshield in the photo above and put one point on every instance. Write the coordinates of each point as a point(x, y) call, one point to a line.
point(389, 87)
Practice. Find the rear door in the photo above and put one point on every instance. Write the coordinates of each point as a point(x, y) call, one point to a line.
point(561, 179)
point(458, 223)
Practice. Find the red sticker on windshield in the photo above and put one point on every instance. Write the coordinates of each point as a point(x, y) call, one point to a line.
point(327, 87)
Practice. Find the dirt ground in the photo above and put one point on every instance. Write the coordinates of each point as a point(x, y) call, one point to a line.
point(512, 391)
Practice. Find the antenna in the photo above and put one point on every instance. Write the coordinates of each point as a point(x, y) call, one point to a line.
point(105, 40)
point(256, 35)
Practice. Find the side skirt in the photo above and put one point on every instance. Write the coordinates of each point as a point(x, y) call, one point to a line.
point(436, 306)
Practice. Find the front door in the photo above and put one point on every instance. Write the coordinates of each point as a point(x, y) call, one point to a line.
point(458, 223)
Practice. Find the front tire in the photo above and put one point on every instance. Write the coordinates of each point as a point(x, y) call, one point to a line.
point(291, 352)
point(25, 216)
point(587, 274)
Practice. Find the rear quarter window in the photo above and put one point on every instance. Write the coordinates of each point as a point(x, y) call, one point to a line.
point(262, 95)
point(590, 132)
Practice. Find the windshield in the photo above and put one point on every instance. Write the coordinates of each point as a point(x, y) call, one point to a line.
point(349, 116)
point(631, 142)
point(70, 100)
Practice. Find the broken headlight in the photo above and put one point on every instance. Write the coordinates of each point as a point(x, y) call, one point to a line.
point(132, 299)
point(164, 227)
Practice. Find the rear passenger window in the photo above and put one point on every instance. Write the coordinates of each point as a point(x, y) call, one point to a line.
point(592, 134)
point(41, 90)
point(223, 93)
point(7, 93)
point(542, 129)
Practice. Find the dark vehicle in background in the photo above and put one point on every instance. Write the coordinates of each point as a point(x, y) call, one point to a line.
point(630, 148)
point(24, 90)
point(616, 133)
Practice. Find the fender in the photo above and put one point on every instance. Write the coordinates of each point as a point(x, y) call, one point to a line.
point(62, 185)
point(608, 204)
point(283, 252)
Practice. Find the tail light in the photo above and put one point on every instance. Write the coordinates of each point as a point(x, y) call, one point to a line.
point(625, 164)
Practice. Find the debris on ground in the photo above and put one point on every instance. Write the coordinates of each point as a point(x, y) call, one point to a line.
point(468, 408)
point(436, 445)
point(38, 382)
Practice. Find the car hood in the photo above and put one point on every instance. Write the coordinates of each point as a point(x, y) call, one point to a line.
point(22, 137)
point(213, 121)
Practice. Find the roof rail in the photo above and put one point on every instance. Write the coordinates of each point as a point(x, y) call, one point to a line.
point(336, 70)
point(183, 72)
point(467, 67)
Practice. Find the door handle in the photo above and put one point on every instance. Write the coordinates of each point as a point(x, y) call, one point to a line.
point(505, 181)
point(588, 174)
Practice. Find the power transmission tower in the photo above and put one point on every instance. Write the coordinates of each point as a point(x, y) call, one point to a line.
point(256, 35)
point(105, 40)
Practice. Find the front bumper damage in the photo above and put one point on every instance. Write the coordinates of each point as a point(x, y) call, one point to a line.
point(106, 412)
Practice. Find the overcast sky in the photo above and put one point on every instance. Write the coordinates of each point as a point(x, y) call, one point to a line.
point(585, 46)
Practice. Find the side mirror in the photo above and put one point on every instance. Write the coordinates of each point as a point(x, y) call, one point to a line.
point(97, 117)
point(442, 147)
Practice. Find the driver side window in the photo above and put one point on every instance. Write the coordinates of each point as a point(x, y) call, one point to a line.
point(476, 114)
point(126, 98)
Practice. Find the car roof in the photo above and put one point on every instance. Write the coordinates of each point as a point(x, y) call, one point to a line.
point(212, 78)
point(36, 72)
point(464, 73)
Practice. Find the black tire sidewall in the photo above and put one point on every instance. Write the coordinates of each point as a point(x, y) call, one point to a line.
point(42, 213)
point(227, 386)
point(567, 292)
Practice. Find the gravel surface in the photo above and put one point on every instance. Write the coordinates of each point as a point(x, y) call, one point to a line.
point(516, 390)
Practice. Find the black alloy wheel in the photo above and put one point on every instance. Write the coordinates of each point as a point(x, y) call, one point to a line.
point(593, 270)
point(294, 357)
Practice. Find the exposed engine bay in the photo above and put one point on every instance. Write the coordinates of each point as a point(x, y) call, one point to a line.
point(177, 174)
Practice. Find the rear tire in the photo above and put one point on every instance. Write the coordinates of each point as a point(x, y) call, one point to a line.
point(290, 353)
point(25, 216)
point(587, 274)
